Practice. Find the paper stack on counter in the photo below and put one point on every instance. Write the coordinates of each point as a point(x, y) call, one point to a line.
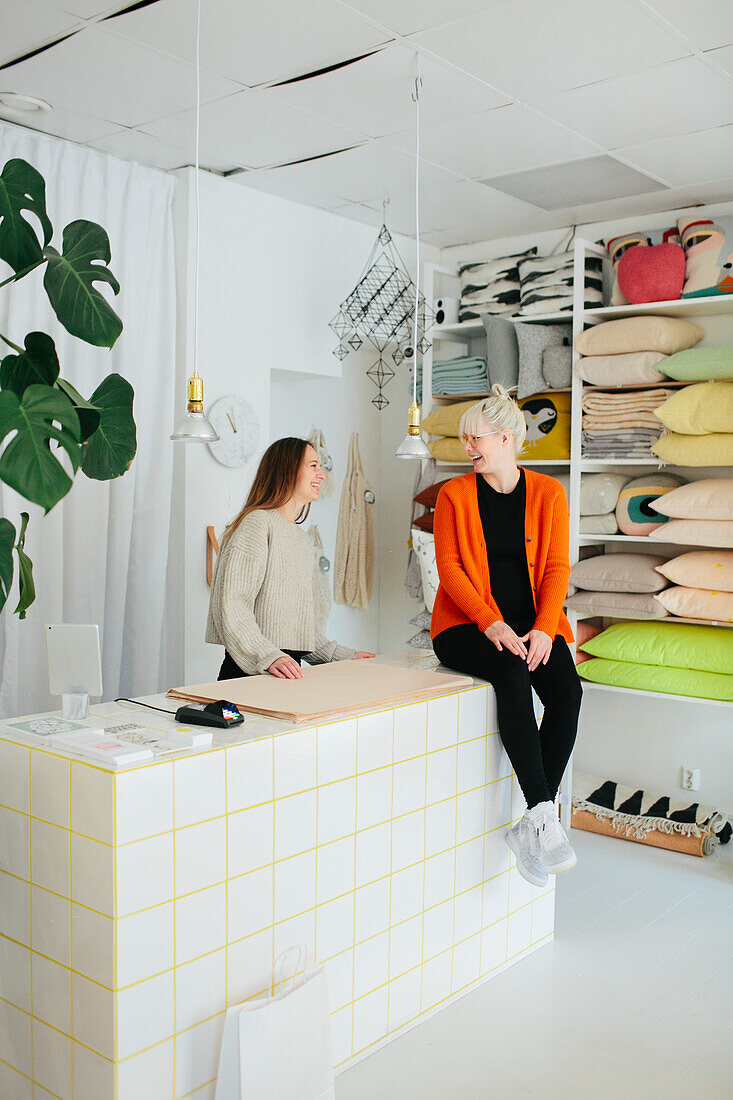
point(101, 745)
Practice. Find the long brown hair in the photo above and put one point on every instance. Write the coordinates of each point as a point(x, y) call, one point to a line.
point(275, 480)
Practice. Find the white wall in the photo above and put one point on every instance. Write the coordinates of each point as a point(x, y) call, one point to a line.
point(272, 275)
point(638, 740)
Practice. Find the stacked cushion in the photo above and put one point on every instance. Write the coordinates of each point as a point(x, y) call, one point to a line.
point(700, 364)
point(599, 493)
point(619, 573)
point(699, 409)
point(584, 632)
point(703, 578)
point(632, 369)
point(712, 569)
point(547, 283)
point(616, 603)
point(656, 274)
point(534, 341)
point(634, 513)
point(707, 246)
point(599, 525)
point(678, 658)
point(710, 498)
point(502, 352)
point(698, 603)
point(632, 334)
point(491, 286)
point(696, 532)
point(427, 498)
point(715, 449)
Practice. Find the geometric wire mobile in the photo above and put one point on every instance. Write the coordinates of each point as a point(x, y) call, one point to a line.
point(381, 309)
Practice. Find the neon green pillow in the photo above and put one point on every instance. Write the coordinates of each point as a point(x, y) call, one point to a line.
point(674, 681)
point(672, 645)
point(700, 364)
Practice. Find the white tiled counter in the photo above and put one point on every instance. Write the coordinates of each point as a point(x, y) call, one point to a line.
point(136, 905)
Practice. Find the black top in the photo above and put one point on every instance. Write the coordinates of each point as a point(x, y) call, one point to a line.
point(502, 518)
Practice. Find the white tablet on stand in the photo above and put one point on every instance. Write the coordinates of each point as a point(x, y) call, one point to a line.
point(74, 665)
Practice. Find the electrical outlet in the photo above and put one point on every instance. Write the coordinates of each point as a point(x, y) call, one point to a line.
point(689, 778)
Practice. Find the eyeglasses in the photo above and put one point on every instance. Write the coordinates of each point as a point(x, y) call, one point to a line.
point(470, 440)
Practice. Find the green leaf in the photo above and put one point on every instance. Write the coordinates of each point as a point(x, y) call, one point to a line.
point(22, 188)
point(7, 540)
point(26, 584)
point(69, 280)
point(27, 463)
point(89, 416)
point(112, 448)
point(37, 364)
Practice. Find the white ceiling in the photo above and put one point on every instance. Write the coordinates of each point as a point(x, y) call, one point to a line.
point(508, 86)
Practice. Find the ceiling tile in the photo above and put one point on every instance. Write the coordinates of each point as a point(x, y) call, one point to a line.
point(123, 81)
point(285, 186)
point(368, 174)
point(708, 23)
point(27, 25)
point(575, 182)
point(374, 95)
point(134, 145)
point(631, 207)
point(529, 48)
point(250, 130)
point(501, 140)
point(723, 57)
point(85, 9)
point(254, 42)
point(408, 16)
point(678, 98)
point(63, 124)
point(718, 191)
point(700, 158)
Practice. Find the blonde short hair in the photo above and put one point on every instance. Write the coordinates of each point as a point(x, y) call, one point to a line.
point(496, 413)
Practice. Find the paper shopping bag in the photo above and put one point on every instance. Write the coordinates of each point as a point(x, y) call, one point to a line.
point(285, 1043)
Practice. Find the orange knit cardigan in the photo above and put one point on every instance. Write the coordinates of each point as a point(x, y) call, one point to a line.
point(464, 594)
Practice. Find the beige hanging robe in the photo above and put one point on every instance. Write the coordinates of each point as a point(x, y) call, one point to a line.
point(354, 566)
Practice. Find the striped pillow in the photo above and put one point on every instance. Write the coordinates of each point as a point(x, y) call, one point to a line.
point(546, 283)
point(491, 287)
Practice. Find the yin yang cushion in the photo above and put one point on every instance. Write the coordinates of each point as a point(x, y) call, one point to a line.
point(547, 416)
point(634, 513)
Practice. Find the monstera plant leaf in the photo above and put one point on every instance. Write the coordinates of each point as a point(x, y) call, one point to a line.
point(111, 449)
point(69, 282)
point(89, 416)
point(22, 188)
point(27, 464)
point(7, 540)
point(26, 584)
point(37, 364)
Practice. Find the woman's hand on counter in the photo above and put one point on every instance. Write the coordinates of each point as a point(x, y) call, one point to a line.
point(361, 656)
point(285, 668)
point(540, 648)
point(503, 637)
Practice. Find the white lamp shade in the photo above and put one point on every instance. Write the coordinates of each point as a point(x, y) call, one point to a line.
point(194, 428)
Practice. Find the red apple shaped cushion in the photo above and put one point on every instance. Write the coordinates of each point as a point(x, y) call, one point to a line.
point(652, 273)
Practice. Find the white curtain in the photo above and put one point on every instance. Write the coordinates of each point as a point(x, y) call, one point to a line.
point(100, 556)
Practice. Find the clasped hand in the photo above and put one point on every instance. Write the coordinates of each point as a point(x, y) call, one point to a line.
point(534, 647)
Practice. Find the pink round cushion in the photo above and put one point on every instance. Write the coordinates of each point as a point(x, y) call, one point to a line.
point(652, 273)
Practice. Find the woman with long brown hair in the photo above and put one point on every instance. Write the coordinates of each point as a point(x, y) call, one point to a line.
point(261, 607)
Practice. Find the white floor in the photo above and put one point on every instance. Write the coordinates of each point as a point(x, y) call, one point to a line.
point(633, 998)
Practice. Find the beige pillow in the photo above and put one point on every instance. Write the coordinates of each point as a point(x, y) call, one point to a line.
point(698, 409)
point(695, 532)
point(599, 493)
point(613, 603)
point(698, 603)
point(619, 573)
point(715, 449)
point(712, 569)
point(711, 498)
point(448, 450)
point(629, 334)
point(633, 369)
point(599, 525)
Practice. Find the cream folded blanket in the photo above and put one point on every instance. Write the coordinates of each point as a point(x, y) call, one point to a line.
point(622, 420)
point(627, 402)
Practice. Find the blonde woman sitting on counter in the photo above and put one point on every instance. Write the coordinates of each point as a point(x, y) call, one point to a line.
point(261, 607)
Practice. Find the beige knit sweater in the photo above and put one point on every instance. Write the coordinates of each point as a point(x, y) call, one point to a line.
point(262, 596)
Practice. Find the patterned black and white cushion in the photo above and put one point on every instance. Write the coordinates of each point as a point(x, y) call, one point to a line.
point(546, 283)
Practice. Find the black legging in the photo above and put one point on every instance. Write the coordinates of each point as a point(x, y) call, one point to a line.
point(230, 669)
point(539, 757)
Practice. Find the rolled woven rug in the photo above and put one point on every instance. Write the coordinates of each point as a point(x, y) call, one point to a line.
point(646, 816)
point(703, 845)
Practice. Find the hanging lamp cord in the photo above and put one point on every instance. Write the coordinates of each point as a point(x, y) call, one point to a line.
point(197, 193)
point(416, 98)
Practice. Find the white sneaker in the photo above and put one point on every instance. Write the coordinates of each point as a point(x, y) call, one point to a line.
point(555, 848)
point(522, 839)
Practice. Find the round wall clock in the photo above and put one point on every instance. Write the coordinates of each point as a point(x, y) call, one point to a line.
point(238, 427)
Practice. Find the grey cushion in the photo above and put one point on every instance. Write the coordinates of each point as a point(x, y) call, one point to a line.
point(599, 525)
point(421, 640)
point(502, 352)
point(615, 602)
point(599, 493)
point(557, 366)
point(532, 340)
point(422, 620)
point(619, 573)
